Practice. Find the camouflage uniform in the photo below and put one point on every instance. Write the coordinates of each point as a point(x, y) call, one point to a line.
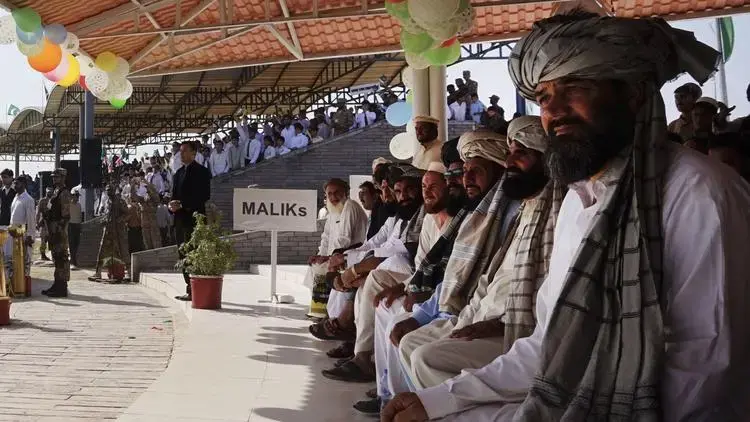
point(57, 214)
point(343, 120)
point(147, 208)
point(114, 242)
point(41, 224)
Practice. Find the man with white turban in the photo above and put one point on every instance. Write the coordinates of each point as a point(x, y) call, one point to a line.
point(643, 312)
point(428, 150)
point(439, 350)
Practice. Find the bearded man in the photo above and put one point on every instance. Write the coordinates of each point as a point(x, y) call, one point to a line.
point(428, 150)
point(643, 313)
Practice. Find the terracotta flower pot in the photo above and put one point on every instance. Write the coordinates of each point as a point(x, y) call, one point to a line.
point(206, 291)
point(116, 271)
point(4, 310)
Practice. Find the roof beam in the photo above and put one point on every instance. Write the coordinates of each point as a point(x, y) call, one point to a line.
point(114, 15)
point(290, 27)
point(296, 52)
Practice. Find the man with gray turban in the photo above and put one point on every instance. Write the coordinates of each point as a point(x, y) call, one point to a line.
point(643, 313)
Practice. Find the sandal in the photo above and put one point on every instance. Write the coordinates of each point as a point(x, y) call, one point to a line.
point(372, 394)
point(344, 351)
point(349, 372)
point(330, 329)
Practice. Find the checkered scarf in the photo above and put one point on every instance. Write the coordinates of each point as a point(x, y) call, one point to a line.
point(603, 349)
point(531, 263)
point(477, 241)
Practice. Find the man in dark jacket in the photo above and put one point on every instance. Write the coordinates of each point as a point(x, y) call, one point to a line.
point(6, 196)
point(190, 191)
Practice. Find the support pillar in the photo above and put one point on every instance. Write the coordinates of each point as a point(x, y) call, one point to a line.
point(17, 152)
point(86, 128)
point(439, 99)
point(421, 89)
point(56, 143)
point(429, 99)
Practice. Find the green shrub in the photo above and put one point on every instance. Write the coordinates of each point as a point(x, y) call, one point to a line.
point(207, 253)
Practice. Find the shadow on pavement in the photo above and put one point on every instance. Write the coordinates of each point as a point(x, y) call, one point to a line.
point(20, 325)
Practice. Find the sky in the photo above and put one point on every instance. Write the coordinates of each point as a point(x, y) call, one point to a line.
point(22, 86)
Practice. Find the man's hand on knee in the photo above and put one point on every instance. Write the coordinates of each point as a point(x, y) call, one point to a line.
point(403, 328)
point(404, 407)
point(390, 294)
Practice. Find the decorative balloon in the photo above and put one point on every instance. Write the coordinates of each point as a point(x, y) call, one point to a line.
point(27, 19)
point(407, 75)
point(444, 56)
point(72, 43)
point(416, 61)
point(97, 81)
point(398, 10)
point(117, 103)
point(411, 127)
point(410, 97)
point(398, 114)
point(402, 146)
point(47, 59)
point(106, 61)
point(74, 72)
point(60, 71)
point(56, 33)
point(87, 65)
point(430, 13)
point(29, 37)
point(82, 82)
point(29, 50)
point(7, 30)
point(416, 43)
point(122, 68)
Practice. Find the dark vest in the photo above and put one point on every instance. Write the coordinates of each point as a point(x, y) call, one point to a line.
point(6, 200)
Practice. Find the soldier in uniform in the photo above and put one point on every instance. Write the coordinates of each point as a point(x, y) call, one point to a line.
point(41, 223)
point(147, 207)
point(114, 242)
point(343, 119)
point(57, 215)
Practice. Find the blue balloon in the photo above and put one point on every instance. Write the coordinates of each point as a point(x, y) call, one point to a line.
point(398, 114)
point(55, 33)
point(29, 38)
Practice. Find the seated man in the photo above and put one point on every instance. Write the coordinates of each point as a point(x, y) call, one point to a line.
point(346, 226)
point(390, 242)
point(642, 315)
point(387, 275)
point(441, 349)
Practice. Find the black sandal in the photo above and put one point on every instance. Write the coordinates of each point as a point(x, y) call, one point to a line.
point(349, 372)
point(344, 351)
point(330, 329)
point(372, 394)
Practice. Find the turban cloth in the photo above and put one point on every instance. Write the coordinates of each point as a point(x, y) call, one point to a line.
point(483, 143)
point(528, 131)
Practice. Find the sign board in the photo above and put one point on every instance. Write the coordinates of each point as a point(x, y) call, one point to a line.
point(354, 182)
point(275, 210)
point(368, 89)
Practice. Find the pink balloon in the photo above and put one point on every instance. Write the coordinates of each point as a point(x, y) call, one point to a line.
point(60, 71)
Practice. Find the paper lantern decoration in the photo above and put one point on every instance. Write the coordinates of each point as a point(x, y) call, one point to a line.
point(82, 82)
point(72, 43)
point(97, 81)
point(402, 146)
point(29, 37)
point(29, 50)
point(60, 71)
point(106, 61)
point(416, 43)
point(56, 33)
point(7, 30)
point(87, 65)
point(398, 114)
point(416, 61)
point(117, 103)
point(122, 68)
point(27, 19)
point(74, 73)
point(444, 56)
point(48, 59)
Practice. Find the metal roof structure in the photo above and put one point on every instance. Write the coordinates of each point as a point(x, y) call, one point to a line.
point(194, 62)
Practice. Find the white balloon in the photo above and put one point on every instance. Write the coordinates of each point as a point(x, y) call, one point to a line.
point(416, 61)
point(407, 76)
point(87, 65)
point(71, 43)
point(402, 146)
point(128, 90)
point(428, 13)
point(98, 81)
point(122, 69)
point(8, 30)
point(29, 50)
point(117, 86)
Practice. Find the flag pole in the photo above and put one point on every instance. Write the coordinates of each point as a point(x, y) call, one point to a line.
point(721, 73)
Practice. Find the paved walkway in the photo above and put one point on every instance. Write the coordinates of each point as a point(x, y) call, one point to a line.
point(86, 357)
point(250, 361)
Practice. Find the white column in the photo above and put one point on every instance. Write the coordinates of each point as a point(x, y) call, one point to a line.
point(421, 89)
point(439, 99)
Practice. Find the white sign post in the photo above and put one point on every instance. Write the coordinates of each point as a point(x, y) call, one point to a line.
point(275, 210)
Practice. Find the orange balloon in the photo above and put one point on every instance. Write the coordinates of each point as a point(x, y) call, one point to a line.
point(48, 59)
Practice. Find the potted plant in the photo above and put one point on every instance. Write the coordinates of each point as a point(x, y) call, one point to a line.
point(115, 268)
point(207, 257)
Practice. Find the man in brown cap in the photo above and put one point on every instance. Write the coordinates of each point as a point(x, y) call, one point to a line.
point(57, 216)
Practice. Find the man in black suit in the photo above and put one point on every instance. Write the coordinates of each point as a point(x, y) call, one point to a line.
point(190, 191)
point(6, 196)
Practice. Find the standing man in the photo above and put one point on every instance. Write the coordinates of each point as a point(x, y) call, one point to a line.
point(147, 205)
point(190, 192)
point(6, 196)
point(471, 85)
point(74, 226)
point(219, 159)
point(22, 213)
point(477, 108)
point(58, 215)
point(684, 99)
point(164, 220)
point(429, 148)
point(41, 223)
point(114, 243)
point(252, 152)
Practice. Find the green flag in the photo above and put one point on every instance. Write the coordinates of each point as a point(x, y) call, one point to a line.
point(13, 110)
point(726, 28)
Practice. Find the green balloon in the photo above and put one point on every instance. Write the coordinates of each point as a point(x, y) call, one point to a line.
point(398, 10)
point(410, 97)
point(416, 43)
point(443, 56)
point(117, 103)
point(27, 19)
